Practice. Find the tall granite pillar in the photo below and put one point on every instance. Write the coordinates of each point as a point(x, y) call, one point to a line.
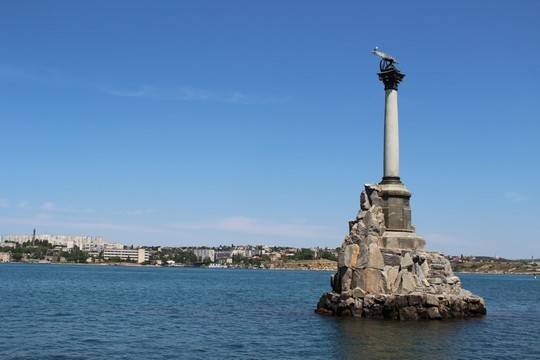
point(391, 129)
point(396, 197)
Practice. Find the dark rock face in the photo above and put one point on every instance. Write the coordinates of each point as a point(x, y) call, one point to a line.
point(403, 284)
point(414, 306)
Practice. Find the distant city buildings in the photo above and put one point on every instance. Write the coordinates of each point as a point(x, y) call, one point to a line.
point(90, 244)
point(5, 257)
point(140, 255)
point(95, 249)
point(203, 254)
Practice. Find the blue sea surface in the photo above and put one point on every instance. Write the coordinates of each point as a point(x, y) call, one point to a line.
point(108, 312)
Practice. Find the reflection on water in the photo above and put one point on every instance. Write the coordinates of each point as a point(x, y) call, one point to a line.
point(388, 339)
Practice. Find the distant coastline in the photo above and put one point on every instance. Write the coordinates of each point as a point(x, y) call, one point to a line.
point(492, 268)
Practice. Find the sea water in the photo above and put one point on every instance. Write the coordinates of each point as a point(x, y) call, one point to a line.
point(116, 312)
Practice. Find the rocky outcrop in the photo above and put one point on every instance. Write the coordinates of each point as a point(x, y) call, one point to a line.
point(377, 282)
point(412, 306)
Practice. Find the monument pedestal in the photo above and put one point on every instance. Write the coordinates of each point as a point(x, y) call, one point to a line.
point(395, 203)
point(386, 274)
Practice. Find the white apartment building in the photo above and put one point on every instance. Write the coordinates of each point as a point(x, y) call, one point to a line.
point(83, 242)
point(203, 254)
point(141, 255)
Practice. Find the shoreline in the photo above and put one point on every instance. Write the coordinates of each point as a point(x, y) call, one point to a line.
point(245, 268)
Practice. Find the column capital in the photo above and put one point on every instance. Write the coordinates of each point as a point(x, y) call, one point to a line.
point(391, 77)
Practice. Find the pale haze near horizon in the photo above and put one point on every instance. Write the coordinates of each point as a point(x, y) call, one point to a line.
point(204, 123)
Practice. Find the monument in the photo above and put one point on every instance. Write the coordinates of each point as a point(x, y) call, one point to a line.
point(383, 269)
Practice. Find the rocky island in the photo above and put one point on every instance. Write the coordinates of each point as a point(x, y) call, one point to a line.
point(384, 272)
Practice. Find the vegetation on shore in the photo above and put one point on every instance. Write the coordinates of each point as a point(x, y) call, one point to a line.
point(492, 265)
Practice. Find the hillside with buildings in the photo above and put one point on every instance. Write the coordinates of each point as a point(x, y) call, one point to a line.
point(47, 248)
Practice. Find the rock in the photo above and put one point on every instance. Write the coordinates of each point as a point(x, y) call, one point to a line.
point(391, 259)
point(375, 258)
point(372, 221)
point(408, 282)
point(433, 313)
point(369, 301)
point(408, 313)
point(341, 258)
point(363, 257)
point(350, 256)
point(371, 281)
point(345, 295)
point(357, 309)
point(431, 300)
point(392, 273)
point(346, 280)
point(406, 261)
point(425, 269)
point(336, 287)
point(438, 266)
point(364, 201)
point(375, 199)
point(358, 293)
point(415, 299)
point(392, 283)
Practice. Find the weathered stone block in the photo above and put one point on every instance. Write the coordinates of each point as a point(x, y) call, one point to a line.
point(425, 269)
point(392, 282)
point(358, 292)
point(350, 256)
point(408, 313)
point(346, 280)
point(431, 300)
point(415, 299)
point(391, 259)
point(357, 309)
point(371, 281)
point(433, 313)
point(341, 258)
point(375, 259)
point(406, 261)
point(408, 282)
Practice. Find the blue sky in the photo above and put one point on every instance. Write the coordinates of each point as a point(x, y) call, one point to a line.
point(218, 122)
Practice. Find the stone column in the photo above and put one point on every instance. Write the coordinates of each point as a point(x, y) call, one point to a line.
point(391, 77)
point(391, 136)
point(400, 233)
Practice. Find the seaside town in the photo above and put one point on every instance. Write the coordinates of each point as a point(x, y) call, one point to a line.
point(47, 248)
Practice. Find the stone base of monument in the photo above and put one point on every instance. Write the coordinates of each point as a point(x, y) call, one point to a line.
point(413, 306)
point(387, 274)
